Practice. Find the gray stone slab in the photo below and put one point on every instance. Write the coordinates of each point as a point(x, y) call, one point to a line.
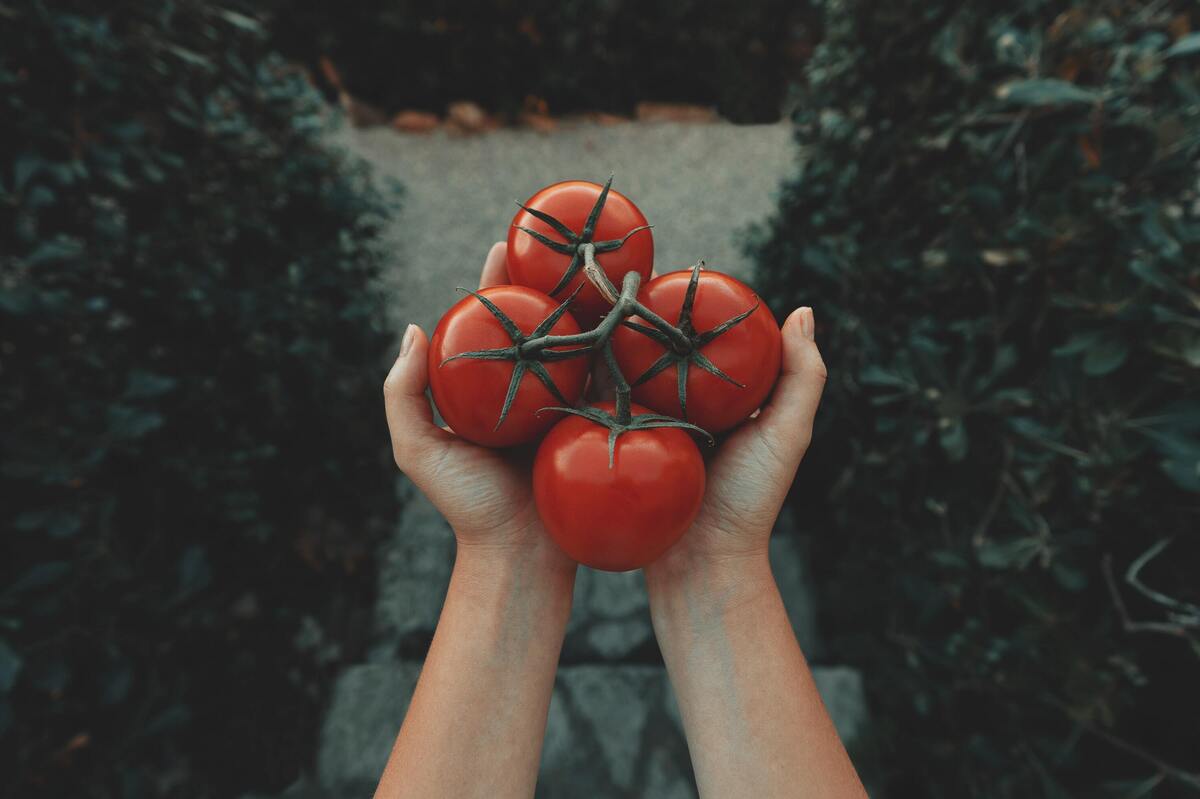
point(841, 689)
point(414, 570)
point(610, 615)
point(609, 734)
point(789, 564)
point(365, 713)
point(700, 185)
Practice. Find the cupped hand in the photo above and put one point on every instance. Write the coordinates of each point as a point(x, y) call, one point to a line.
point(749, 477)
point(485, 494)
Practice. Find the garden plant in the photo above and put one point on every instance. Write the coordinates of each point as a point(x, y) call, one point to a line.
point(997, 218)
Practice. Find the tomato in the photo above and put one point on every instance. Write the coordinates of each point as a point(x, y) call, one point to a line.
point(535, 264)
point(470, 392)
point(624, 516)
point(748, 352)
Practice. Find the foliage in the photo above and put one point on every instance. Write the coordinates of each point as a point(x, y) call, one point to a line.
point(997, 219)
point(193, 452)
point(575, 55)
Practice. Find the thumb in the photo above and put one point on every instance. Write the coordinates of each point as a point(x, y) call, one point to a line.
point(787, 421)
point(409, 417)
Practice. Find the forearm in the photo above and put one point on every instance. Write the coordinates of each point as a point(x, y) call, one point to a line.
point(478, 715)
point(754, 721)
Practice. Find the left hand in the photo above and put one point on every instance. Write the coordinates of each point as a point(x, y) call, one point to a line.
point(485, 494)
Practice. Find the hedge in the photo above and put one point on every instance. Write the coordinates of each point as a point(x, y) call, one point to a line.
point(575, 55)
point(997, 220)
point(194, 459)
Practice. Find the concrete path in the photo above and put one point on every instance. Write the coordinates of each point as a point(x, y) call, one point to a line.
point(699, 185)
point(613, 729)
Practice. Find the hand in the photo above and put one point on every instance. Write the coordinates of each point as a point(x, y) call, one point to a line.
point(484, 691)
point(721, 624)
point(486, 495)
point(750, 475)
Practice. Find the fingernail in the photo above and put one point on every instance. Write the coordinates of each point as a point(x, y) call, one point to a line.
point(409, 335)
point(808, 324)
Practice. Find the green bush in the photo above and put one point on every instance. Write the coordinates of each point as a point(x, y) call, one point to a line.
point(997, 220)
point(194, 459)
point(576, 55)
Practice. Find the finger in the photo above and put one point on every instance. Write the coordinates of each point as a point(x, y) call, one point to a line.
point(495, 266)
point(409, 416)
point(787, 420)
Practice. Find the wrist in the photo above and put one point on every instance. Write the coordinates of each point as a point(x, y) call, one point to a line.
point(705, 587)
point(537, 566)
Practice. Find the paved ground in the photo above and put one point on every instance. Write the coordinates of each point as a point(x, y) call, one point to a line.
point(613, 728)
point(699, 185)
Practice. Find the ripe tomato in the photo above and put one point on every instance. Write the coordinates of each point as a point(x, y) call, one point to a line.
point(624, 516)
point(747, 352)
point(470, 392)
point(535, 264)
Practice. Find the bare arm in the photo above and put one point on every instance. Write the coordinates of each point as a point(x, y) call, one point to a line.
point(754, 721)
point(476, 721)
point(475, 725)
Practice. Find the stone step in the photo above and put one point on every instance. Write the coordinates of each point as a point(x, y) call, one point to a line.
point(613, 729)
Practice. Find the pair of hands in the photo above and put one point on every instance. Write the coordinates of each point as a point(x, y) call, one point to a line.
point(487, 495)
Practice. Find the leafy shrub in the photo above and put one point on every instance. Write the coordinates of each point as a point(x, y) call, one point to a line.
point(189, 358)
point(997, 219)
point(575, 55)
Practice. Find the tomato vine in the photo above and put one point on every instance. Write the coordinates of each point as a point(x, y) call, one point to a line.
point(682, 342)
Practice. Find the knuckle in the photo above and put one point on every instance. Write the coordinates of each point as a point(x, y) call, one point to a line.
point(820, 371)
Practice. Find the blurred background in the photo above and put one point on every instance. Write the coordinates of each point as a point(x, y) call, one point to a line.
point(215, 218)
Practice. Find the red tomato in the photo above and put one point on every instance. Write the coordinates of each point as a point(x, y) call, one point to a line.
point(748, 352)
point(534, 264)
point(470, 392)
point(621, 517)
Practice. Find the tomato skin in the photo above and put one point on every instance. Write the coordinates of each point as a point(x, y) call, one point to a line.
point(623, 517)
point(469, 392)
point(532, 264)
point(750, 352)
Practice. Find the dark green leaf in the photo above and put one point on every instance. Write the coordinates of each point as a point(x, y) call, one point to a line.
point(1187, 45)
point(195, 573)
point(1105, 355)
point(10, 666)
point(143, 385)
point(1006, 554)
point(1045, 92)
point(40, 575)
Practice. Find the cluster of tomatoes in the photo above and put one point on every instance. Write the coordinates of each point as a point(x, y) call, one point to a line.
point(693, 352)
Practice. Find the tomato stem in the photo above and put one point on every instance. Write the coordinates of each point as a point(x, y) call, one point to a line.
point(594, 339)
point(596, 276)
point(621, 385)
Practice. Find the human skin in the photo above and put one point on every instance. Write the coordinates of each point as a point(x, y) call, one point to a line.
point(754, 721)
point(478, 716)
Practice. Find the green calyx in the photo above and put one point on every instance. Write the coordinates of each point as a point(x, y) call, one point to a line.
point(641, 421)
point(573, 242)
point(684, 356)
point(523, 363)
